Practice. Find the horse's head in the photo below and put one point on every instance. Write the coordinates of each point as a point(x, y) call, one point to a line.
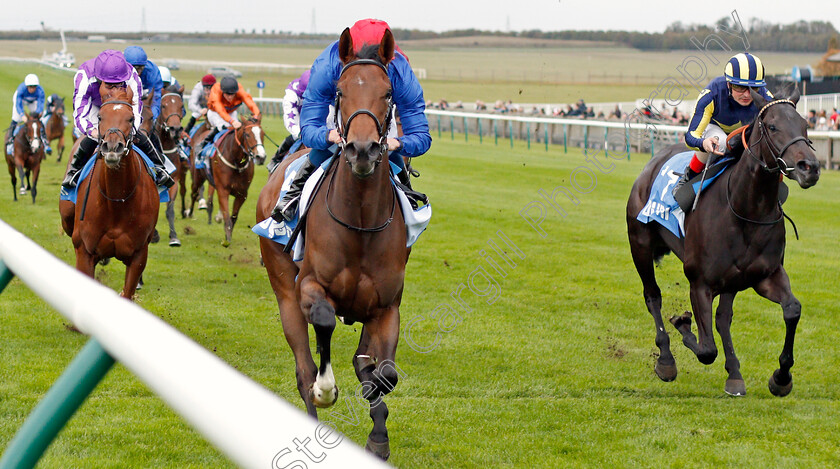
point(783, 133)
point(171, 105)
point(250, 138)
point(58, 105)
point(116, 127)
point(32, 132)
point(363, 95)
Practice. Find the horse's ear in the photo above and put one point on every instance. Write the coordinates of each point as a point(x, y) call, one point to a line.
point(758, 99)
point(345, 47)
point(181, 90)
point(795, 95)
point(386, 47)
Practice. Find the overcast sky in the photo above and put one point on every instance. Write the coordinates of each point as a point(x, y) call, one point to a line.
point(332, 16)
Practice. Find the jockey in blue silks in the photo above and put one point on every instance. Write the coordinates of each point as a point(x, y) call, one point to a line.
point(29, 96)
point(151, 81)
point(321, 93)
point(725, 105)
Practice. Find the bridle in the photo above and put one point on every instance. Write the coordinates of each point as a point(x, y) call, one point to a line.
point(777, 154)
point(164, 121)
point(248, 151)
point(128, 139)
point(382, 129)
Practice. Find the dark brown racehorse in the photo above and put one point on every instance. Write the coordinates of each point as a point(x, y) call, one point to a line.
point(55, 125)
point(25, 160)
point(734, 240)
point(355, 256)
point(169, 129)
point(118, 203)
point(232, 165)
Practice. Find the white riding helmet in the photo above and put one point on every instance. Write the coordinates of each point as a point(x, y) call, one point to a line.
point(31, 80)
point(165, 74)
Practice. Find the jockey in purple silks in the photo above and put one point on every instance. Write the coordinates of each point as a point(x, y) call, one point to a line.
point(111, 70)
point(292, 102)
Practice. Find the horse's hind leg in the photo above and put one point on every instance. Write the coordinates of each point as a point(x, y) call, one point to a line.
point(378, 373)
point(12, 171)
point(704, 346)
point(776, 288)
point(723, 320)
point(642, 251)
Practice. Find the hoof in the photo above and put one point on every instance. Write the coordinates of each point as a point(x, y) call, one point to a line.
point(381, 450)
point(666, 373)
point(321, 398)
point(778, 390)
point(155, 236)
point(682, 320)
point(226, 243)
point(735, 387)
point(174, 242)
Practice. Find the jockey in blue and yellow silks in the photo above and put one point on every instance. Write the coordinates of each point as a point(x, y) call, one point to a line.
point(724, 106)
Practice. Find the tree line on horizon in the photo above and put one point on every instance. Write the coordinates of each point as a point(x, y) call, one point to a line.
point(800, 36)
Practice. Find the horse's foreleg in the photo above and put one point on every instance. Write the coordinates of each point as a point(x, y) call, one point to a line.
point(170, 217)
point(234, 212)
point(723, 320)
point(701, 303)
point(640, 247)
point(24, 180)
point(321, 313)
point(224, 209)
point(34, 188)
point(209, 199)
point(183, 191)
point(133, 272)
point(60, 146)
point(13, 173)
point(85, 262)
point(776, 288)
point(378, 374)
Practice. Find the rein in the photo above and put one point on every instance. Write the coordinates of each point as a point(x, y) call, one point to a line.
point(128, 139)
point(247, 151)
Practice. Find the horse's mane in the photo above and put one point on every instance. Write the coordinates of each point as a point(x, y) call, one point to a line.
point(370, 51)
point(172, 88)
point(119, 94)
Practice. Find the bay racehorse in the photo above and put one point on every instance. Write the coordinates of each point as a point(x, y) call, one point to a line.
point(734, 240)
point(232, 166)
point(169, 129)
point(55, 125)
point(118, 203)
point(355, 254)
point(25, 160)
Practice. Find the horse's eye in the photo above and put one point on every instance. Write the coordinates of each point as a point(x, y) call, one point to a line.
point(772, 127)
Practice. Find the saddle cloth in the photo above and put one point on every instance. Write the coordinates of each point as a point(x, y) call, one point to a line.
point(416, 221)
point(661, 206)
point(71, 194)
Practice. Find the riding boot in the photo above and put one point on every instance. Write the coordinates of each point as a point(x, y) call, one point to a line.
point(77, 162)
point(285, 208)
point(144, 143)
point(414, 198)
point(687, 176)
point(10, 138)
point(189, 127)
point(280, 153)
point(45, 140)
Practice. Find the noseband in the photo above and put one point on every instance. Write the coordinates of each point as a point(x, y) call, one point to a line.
point(778, 155)
point(128, 139)
point(381, 127)
point(166, 126)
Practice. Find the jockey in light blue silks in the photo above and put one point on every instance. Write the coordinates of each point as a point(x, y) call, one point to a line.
point(724, 106)
point(321, 93)
point(151, 82)
point(28, 99)
point(111, 70)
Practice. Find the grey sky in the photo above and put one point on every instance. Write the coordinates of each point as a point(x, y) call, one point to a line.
point(331, 16)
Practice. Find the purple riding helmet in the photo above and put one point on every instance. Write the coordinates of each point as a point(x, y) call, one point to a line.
point(110, 66)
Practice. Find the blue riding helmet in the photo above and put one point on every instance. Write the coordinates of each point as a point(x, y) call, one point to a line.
point(135, 55)
point(746, 70)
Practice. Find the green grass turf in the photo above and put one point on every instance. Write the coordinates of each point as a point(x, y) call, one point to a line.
point(555, 370)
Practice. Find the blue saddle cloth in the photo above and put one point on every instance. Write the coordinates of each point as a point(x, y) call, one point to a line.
point(661, 206)
point(208, 150)
point(71, 194)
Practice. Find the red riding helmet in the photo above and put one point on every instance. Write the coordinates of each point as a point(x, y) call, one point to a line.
point(208, 80)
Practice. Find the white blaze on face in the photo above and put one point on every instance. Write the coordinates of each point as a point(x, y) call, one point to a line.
point(117, 107)
point(36, 139)
point(258, 135)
